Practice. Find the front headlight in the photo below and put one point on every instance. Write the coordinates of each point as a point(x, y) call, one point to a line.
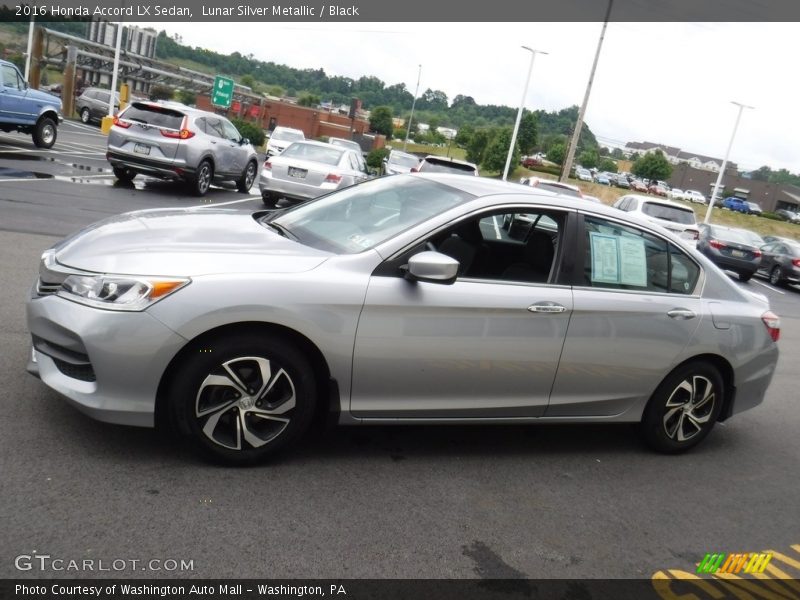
point(117, 292)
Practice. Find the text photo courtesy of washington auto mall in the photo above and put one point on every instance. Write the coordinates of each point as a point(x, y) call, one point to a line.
point(400, 301)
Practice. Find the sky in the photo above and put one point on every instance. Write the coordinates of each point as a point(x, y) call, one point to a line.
point(669, 83)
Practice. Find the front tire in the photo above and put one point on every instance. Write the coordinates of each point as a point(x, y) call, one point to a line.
point(202, 178)
point(242, 398)
point(745, 276)
point(245, 182)
point(45, 133)
point(85, 116)
point(684, 408)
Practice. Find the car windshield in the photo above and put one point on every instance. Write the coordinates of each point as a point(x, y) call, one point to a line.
point(345, 144)
point(733, 235)
point(404, 160)
point(320, 154)
point(363, 216)
point(436, 166)
point(287, 136)
point(675, 214)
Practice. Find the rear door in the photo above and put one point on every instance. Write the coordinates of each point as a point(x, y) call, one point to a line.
point(636, 307)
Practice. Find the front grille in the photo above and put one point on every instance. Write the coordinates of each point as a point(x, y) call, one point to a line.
point(83, 372)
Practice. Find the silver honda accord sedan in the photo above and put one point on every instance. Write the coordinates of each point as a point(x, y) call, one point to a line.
point(401, 300)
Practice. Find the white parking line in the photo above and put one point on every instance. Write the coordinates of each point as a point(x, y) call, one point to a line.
point(212, 204)
point(15, 180)
point(769, 287)
point(87, 128)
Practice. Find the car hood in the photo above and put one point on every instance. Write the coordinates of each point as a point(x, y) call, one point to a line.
point(184, 242)
point(44, 97)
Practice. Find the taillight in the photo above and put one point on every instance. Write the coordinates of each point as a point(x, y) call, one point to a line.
point(120, 123)
point(268, 165)
point(757, 253)
point(333, 178)
point(773, 324)
point(796, 262)
point(183, 134)
point(716, 244)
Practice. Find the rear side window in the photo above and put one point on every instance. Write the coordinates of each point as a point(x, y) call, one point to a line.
point(157, 116)
point(626, 258)
point(668, 213)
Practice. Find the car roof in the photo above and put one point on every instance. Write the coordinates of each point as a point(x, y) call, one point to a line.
point(322, 144)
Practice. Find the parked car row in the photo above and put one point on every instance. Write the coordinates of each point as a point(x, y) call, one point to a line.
point(746, 253)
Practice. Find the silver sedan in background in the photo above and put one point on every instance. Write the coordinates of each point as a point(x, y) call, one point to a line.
point(309, 169)
point(401, 300)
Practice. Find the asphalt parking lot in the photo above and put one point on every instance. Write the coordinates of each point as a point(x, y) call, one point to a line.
point(372, 502)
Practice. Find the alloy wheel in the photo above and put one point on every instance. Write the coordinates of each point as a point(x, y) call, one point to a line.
point(250, 176)
point(204, 178)
point(775, 276)
point(48, 135)
point(245, 402)
point(689, 408)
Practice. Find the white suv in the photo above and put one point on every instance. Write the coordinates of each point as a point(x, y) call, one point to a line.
point(677, 218)
point(281, 138)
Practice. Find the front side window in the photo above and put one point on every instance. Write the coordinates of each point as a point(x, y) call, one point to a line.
point(11, 78)
point(624, 257)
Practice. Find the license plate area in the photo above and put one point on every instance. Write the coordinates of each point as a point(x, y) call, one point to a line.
point(298, 173)
point(737, 253)
point(141, 149)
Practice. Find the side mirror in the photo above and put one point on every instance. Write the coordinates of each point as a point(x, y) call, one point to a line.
point(244, 141)
point(433, 267)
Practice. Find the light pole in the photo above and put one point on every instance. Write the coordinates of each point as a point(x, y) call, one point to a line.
point(413, 104)
point(30, 48)
point(725, 161)
point(519, 112)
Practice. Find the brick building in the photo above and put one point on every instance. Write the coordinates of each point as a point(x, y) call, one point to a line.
point(269, 113)
point(770, 196)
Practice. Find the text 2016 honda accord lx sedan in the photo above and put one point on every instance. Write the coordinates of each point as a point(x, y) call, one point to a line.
point(400, 300)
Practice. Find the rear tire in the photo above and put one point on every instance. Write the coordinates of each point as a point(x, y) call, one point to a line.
point(45, 133)
point(684, 408)
point(243, 397)
point(270, 201)
point(124, 174)
point(775, 276)
point(245, 182)
point(202, 178)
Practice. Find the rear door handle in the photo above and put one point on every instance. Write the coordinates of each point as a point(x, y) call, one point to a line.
point(681, 314)
point(547, 307)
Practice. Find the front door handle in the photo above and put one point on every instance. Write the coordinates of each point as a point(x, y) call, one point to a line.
point(547, 307)
point(681, 314)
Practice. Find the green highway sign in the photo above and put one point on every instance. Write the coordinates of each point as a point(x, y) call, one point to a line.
point(222, 94)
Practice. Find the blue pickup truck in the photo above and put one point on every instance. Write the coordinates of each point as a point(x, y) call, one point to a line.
point(742, 206)
point(27, 110)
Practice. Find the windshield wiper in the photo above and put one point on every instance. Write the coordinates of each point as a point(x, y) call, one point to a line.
point(281, 230)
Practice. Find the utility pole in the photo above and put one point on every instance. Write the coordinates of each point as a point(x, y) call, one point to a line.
point(413, 104)
point(577, 132)
point(519, 112)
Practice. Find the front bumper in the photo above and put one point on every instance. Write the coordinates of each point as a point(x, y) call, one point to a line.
point(108, 364)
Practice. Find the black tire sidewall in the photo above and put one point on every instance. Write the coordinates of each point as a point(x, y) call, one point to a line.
point(196, 182)
point(242, 183)
point(37, 133)
point(191, 372)
point(772, 275)
point(652, 427)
